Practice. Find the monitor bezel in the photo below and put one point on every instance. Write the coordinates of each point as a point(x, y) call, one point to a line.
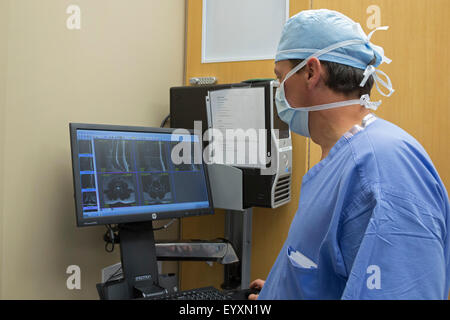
point(141, 217)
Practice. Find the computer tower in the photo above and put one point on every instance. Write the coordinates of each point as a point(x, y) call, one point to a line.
point(269, 186)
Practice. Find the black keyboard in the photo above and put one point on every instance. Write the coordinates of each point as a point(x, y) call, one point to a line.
point(207, 293)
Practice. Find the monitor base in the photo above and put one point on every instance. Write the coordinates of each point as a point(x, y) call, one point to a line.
point(138, 258)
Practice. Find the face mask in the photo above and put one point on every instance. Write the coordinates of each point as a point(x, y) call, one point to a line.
point(298, 118)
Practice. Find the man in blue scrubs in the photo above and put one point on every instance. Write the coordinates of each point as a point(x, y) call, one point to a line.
point(373, 214)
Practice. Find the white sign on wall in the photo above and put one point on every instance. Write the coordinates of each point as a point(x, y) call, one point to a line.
point(239, 30)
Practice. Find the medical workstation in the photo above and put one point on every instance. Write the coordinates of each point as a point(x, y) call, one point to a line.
point(125, 177)
point(224, 150)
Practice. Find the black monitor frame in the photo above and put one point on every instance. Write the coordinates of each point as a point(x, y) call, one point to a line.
point(141, 217)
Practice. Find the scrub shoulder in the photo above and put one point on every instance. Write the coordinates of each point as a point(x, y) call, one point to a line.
point(391, 160)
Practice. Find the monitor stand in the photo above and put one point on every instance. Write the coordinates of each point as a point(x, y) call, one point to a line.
point(139, 266)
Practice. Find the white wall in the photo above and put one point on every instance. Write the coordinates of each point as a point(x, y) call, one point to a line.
point(116, 70)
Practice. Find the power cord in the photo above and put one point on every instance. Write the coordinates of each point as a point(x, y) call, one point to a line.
point(110, 237)
point(163, 123)
point(165, 226)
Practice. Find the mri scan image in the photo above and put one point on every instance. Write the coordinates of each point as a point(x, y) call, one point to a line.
point(118, 190)
point(86, 164)
point(84, 147)
point(114, 156)
point(156, 188)
point(87, 181)
point(152, 156)
point(89, 199)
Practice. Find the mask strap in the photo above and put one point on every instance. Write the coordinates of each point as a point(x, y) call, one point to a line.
point(331, 105)
point(374, 47)
point(379, 49)
point(365, 101)
point(384, 28)
point(372, 71)
point(321, 52)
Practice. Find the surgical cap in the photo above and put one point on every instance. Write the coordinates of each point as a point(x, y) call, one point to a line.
point(312, 30)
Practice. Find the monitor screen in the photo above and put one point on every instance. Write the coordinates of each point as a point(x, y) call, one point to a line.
point(130, 174)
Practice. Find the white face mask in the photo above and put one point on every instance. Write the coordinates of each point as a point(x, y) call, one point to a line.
point(298, 118)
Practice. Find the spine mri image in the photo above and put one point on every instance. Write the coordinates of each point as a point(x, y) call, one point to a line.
point(132, 173)
point(154, 167)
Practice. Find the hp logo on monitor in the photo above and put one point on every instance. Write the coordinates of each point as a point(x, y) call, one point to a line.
point(154, 216)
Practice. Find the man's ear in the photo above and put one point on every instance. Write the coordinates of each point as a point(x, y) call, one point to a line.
point(313, 72)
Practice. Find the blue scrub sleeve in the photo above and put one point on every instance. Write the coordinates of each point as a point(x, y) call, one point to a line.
point(401, 252)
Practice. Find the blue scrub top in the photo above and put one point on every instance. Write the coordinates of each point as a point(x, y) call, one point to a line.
point(372, 219)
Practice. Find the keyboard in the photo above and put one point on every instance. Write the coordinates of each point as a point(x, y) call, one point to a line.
point(206, 293)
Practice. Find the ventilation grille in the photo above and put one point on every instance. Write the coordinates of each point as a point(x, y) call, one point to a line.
point(282, 192)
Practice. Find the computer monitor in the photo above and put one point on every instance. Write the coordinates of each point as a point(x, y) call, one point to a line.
point(130, 176)
point(127, 174)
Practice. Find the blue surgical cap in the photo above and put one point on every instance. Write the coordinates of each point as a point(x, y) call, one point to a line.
point(312, 30)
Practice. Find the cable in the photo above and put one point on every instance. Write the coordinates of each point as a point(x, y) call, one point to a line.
point(165, 226)
point(109, 236)
point(163, 123)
